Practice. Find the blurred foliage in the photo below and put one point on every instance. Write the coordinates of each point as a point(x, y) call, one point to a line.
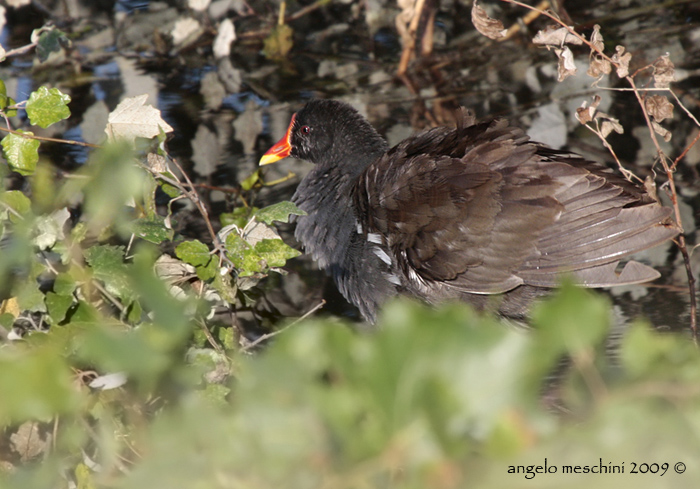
point(113, 373)
point(433, 398)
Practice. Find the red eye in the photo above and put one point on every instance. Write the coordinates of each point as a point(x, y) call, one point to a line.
point(305, 129)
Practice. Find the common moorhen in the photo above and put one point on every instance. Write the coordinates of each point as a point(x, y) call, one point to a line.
point(461, 213)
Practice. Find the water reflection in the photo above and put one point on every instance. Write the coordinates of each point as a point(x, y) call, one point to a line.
point(332, 57)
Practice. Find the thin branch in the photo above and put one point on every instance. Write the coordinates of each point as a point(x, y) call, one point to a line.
point(109, 296)
point(281, 330)
point(210, 337)
point(20, 50)
point(627, 173)
point(52, 140)
point(680, 240)
point(189, 190)
point(685, 151)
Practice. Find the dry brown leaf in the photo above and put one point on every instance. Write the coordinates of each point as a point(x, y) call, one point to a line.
point(598, 66)
point(622, 60)
point(659, 107)
point(586, 113)
point(661, 131)
point(650, 187)
point(610, 125)
point(567, 66)
point(491, 28)
point(28, 441)
point(597, 39)
point(556, 37)
point(157, 163)
point(664, 72)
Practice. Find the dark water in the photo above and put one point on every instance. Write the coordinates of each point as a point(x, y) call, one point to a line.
point(351, 51)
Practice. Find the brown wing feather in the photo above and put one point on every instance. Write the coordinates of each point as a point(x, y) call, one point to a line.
point(482, 210)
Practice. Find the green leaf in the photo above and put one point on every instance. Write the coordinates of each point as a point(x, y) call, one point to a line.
point(58, 306)
point(105, 259)
point(11, 112)
point(249, 182)
point(278, 212)
point(573, 322)
point(22, 154)
point(17, 201)
point(47, 106)
point(193, 252)
point(83, 477)
point(64, 284)
point(224, 286)
point(242, 255)
point(113, 183)
point(35, 386)
point(134, 312)
point(52, 40)
point(84, 312)
point(49, 228)
point(139, 352)
point(79, 233)
point(573, 319)
point(170, 190)
point(208, 271)
point(197, 253)
point(108, 265)
point(152, 229)
point(3, 95)
point(7, 319)
point(29, 296)
point(239, 216)
point(275, 252)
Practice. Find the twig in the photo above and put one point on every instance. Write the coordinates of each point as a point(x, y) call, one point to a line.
point(21, 50)
point(210, 337)
point(691, 287)
point(205, 329)
point(526, 20)
point(680, 240)
point(685, 151)
point(11, 210)
point(408, 49)
point(51, 140)
point(306, 10)
point(109, 296)
point(267, 336)
point(627, 173)
point(192, 194)
point(265, 31)
point(680, 104)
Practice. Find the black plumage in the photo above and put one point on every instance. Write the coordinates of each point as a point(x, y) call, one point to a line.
point(463, 213)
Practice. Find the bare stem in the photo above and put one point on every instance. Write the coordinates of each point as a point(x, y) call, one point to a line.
point(267, 336)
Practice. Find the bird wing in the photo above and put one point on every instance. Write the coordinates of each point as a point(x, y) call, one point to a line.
point(605, 219)
point(481, 209)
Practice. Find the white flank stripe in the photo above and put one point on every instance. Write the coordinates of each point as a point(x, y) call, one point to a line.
point(382, 255)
